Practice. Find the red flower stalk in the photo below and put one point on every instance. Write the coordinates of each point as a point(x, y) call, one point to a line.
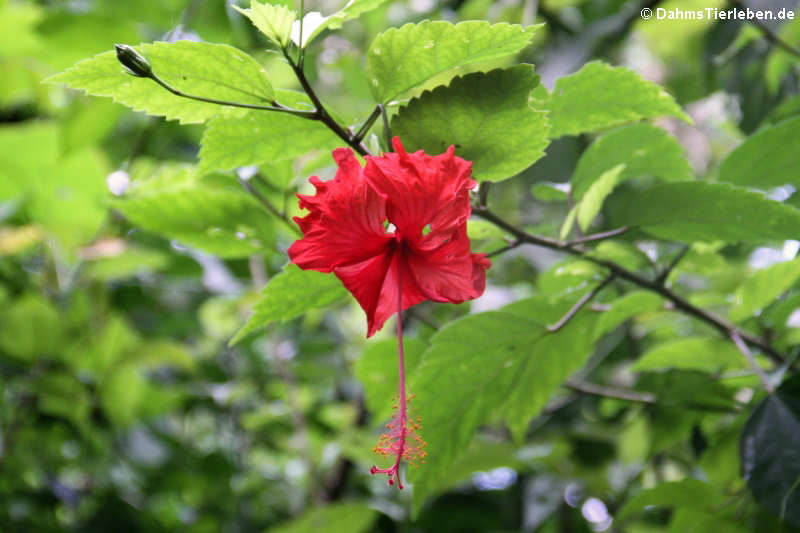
point(395, 233)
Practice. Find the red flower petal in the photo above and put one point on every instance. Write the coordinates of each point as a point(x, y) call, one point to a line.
point(375, 285)
point(345, 223)
point(426, 258)
point(450, 273)
point(418, 187)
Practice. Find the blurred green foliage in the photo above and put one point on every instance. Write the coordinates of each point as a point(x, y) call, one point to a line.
point(125, 273)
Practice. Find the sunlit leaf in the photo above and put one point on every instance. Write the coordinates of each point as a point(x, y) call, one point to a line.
point(215, 71)
point(600, 96)
point(399, 59)
point(485, 115)
point(290, 294)
point(700, 211)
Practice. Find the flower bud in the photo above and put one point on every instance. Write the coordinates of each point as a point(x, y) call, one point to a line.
point(134, 62)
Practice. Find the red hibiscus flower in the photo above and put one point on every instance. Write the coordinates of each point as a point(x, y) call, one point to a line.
point(395, 233)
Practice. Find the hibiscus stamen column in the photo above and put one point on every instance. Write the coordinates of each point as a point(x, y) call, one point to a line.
point(395, 441)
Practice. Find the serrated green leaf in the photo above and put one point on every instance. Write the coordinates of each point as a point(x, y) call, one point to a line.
point(763, 287)
point(399, 59)
point(376, 369)
point(221, 220)
point(600, 96)
point(596, 194)
point(274, 21)
point(314, 23)
point(215, 71)
point(290, 294)
point(500, 362)
point(335, 518)
point(260, 137)
point(708, 354)
point(485, 115)
point(768, 158)
point(644, 149)
point(699, 211)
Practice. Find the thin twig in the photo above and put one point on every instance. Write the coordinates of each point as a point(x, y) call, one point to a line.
point(662, 278)
point(483, 193)
point(722, 325)
point(611, 392)
point(425, 318)
point(321, 113)
point(362, 132)
point(504, 249)
point(579, 305)
point(270, 206)
point(387, 131)
point(770, 35)
point(737, 340)
point(597, 236)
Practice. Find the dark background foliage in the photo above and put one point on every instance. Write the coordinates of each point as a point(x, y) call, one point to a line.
point(124, 408)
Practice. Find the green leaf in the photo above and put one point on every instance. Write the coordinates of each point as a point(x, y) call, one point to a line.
point(315, 23)
point(485, 115)
point(625, 308)
point(549, 192)
point(596, 194)
point(290, 294)
point(644, 149)
point(131, 262)
point(679, 388)
point(481, 229)
point(62, 395)
point(274, 21)
point(769, 452)
point(623, 253)
point(399, 59)
point(377, 371)
point(335, 518)
point(699, 211)
point(600, 96)
point(687, 493)
point(31, 328)
point(500, 363)
point(260, 137)
point(708, 354)
point(763, 287)
point(221, 220)
point(127, 395)
point(769, 157)
point(481, 456)
point(65, 193)
point(215, 71)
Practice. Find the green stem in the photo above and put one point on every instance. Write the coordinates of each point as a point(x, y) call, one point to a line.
point(321, 113)
point(275, 107)
point(387, 131)
point(362, 132)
